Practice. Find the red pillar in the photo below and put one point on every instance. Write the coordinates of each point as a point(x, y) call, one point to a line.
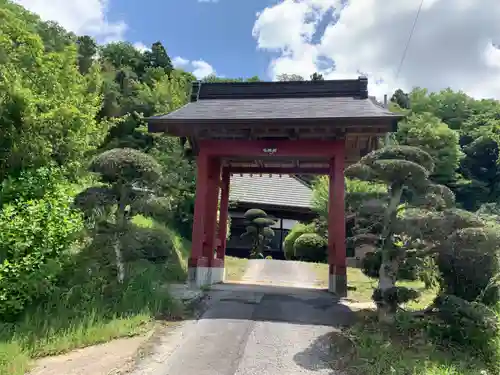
point(336, 226)
point(197, 258)
point(223, 214)
point(211, 198)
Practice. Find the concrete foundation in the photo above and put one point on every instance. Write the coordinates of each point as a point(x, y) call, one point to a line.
point(338, 284)
point(203, 276)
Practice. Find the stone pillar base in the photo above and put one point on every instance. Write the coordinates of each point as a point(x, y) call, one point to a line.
point(337, 281)
point(201, 273)
point(217, 271)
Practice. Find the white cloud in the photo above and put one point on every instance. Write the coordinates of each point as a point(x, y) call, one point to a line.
point(180, 62)
point(208, 1)
point(79, 16)
point(199, 68)
point(141, 47)
point(451, 46)
point(202, 68)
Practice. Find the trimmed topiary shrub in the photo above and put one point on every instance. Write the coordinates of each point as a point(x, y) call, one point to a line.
point(298, 230)
point(152, 244)
point(258, 230)
point(469, 262)
point(370, 266)
point(310, 247)
point(470, 324)
point(129, 176)
point(158, 208)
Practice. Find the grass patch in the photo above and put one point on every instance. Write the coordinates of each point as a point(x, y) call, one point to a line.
point(235, 268)
point(91, 308)
point(361, 286)
point(369, 348)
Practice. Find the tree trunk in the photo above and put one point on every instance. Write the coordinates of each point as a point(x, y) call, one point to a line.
point(119, 259)
point(120, 226)
point(389, 267)
point(387, 281)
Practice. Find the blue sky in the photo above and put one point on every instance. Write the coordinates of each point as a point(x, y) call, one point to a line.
point(338, 38)
point(219, 33)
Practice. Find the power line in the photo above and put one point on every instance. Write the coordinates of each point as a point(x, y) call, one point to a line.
point(409, 39)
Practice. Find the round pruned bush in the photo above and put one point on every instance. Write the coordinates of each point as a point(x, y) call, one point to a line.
point(158, 208)
point(311, 247)
point(408, 270)
point(469, 261)
point(402, 153)
point(297, 231)
point(126, 165)
point(152, 244)
point(254, 213)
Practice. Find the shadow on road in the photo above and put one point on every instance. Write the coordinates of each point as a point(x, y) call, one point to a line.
point(266, 303)
point(330, 351)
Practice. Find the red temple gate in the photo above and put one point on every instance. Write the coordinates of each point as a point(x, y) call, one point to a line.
point(272, 127)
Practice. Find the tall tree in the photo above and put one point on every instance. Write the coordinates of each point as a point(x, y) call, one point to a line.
point(87, 50)
point(317, 77)
point(401, 98)
point(401, 168)
point(435, 137)
point(157, 57)
point(48, 111)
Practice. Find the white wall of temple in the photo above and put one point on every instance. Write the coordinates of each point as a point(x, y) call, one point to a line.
point(287, 223)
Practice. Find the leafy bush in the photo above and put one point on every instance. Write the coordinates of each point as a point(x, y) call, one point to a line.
point(469, 262)
point(408, 270)
point(395, 296)
point(158, 208)
point(35, 236)
point(152, 244)
point(310, 247)
point(470, 324)
point(298, 230)
point(31, 184)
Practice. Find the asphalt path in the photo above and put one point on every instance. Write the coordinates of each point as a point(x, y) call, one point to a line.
point(275, 323)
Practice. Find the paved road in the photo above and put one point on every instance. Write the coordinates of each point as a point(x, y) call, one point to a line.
point(256, 329)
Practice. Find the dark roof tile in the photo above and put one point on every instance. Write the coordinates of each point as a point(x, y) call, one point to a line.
point(274, 190)
point(292, 89)
point(278, 108)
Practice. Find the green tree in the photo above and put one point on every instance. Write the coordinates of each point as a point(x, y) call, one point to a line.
point(87, 50)
point(38, 229)
point(401, 98)
point(400, 168)
point(157, 57)
point(214, 78)
point(317, 77)
point(432, 135)
point(126, 175)
point(48, 111)
point(258, 230)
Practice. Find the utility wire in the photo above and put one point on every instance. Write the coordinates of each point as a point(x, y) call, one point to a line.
point(409, 39)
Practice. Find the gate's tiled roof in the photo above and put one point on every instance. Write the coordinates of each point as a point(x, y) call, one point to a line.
point(275, 190)
point(333, 99)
